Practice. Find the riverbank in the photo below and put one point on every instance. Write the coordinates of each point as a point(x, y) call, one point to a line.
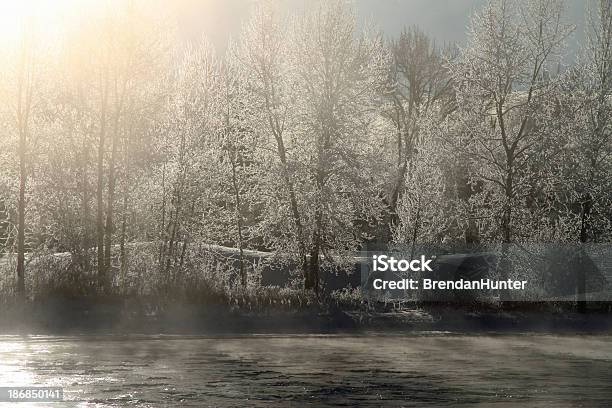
point(75, 316)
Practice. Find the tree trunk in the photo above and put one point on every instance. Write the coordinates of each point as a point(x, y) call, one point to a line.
point(312, 277)
point(21, 216)
point(24, 99)
point(585, 212)
point(124, 215)
point(415, 230)
point(109, 228)
point(396, 194)
point(505, 264)
point(85, 211)
point(100, 192)
point(122, 249)
point(238, 219)
point(295, 212)
point(277, 132)
point(162, 224)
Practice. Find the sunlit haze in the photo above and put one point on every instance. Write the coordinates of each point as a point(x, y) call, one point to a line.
point(220, 20)
point(46, 18)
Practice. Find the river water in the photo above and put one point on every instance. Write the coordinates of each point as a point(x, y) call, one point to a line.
point(426, 369)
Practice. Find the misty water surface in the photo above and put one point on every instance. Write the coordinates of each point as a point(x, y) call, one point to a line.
point(294, 371)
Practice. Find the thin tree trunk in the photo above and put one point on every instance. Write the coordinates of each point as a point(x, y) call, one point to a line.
point(238, 219)
point(123, 238)
point(505, 264)
point(162, 229)
point(122, 250)
point(397, 188)
point(295, 212)
point(100, 189)
point(174, 223)
point(312, 278)
point(109, 228)
point(21, 216)
point(415, 231)
point(585, 212)
point(173, 226)
point(85, 205)
point(24, 98)
point(312, 281)
point(277, 132)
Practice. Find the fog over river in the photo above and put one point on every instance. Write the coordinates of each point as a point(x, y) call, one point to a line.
point(437, 369)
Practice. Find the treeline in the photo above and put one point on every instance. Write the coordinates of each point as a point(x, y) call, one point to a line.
point(306, 138)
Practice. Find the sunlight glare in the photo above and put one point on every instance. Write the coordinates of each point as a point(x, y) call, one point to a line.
point(44, 18)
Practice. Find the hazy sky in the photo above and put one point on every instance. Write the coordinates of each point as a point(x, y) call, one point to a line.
point(444, 20)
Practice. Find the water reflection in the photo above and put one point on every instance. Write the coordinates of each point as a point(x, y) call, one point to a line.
point(293, 371)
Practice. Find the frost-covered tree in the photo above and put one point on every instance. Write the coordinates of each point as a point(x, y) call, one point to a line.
point(502, 79)
point(583, 120)
point(22, 83)
point(185, 143)
point(265, 53)
point(235, 193)
point(418, 83)
point(337, 74)
point(432, 212)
